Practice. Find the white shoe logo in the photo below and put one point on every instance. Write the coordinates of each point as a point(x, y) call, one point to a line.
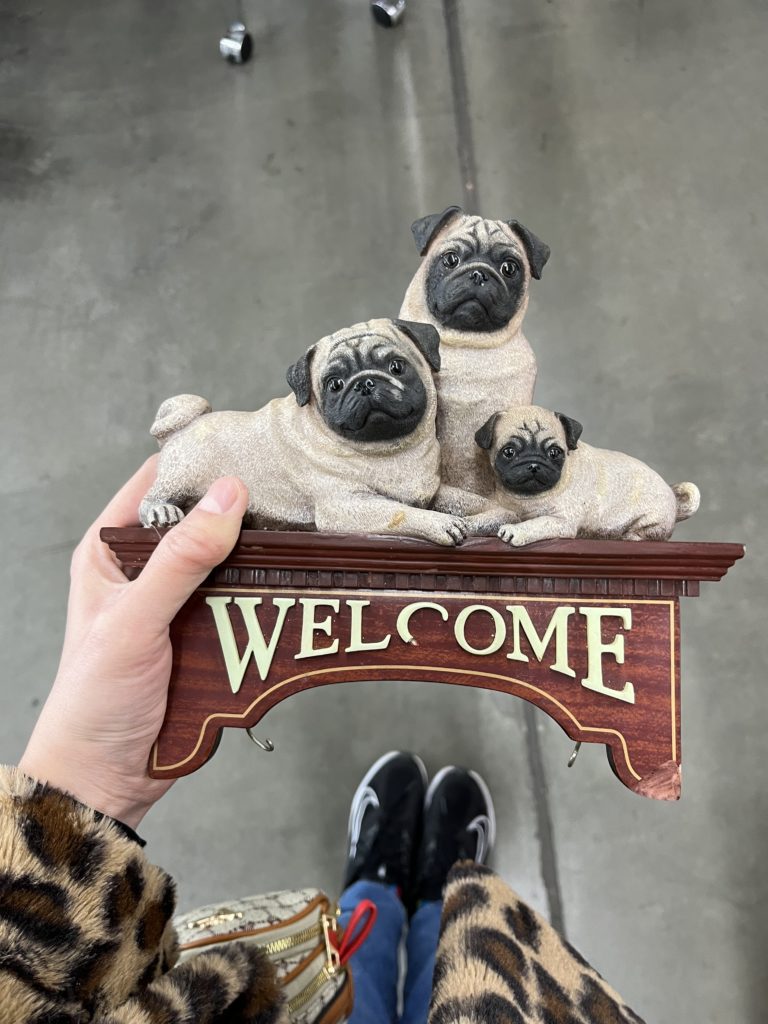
point(481, 825)
point(368, 798)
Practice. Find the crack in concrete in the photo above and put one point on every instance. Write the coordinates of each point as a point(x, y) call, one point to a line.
point(461, 107)
point(548, 862)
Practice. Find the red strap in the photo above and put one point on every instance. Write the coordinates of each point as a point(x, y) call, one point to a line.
point(357, 931)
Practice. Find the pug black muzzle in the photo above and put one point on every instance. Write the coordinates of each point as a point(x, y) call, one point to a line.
point(528, 468)
point(474, 296)
point(374, 403)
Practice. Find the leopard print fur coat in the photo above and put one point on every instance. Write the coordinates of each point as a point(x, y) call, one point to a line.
point(499, 962)
point(86, 933)
point(86, 937)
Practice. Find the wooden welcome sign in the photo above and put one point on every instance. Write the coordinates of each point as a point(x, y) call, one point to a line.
point(588, 631)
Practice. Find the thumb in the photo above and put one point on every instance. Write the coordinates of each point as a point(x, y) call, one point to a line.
point(186, 555)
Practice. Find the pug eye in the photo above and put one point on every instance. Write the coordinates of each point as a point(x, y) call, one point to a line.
point(555, 452)
point(450, 260)
point(335, 384)
point(396, 367)
point(509, 453)
point(509, 268)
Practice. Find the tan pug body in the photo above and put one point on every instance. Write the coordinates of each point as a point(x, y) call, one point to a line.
point(472, 285)
point(361, 459)
point(551, 485)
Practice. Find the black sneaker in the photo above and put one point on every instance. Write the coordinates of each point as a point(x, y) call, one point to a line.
point(385, 821)
point(459, 824)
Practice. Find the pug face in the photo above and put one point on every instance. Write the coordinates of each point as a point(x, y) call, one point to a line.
point(369, 391)
point(529, 448)
point(476, 280)
point(372, 382)
point(478, 271)
point(531, 461)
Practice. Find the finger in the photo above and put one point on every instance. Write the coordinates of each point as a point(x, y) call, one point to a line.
point(94, 571)
point(186, 555)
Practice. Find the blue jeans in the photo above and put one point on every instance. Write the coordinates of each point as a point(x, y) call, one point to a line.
point(375, 966)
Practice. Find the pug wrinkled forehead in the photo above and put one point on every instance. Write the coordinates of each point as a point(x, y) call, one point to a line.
point(528, 447)
point(478, 270)
point(371, 382)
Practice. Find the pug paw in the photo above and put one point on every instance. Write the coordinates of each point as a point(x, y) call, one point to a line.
point(439, 528)
point(457, 530)
point(162, 515)
point(507, 534)
point(485, 524)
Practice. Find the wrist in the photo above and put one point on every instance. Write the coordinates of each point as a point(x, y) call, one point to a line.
point(100, 796)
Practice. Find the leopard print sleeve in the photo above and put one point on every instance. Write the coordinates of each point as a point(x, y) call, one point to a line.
point(85, 927)
point(499, 961)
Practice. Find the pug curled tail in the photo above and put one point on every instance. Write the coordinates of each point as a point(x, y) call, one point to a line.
point(688, 498)
point(175, 414)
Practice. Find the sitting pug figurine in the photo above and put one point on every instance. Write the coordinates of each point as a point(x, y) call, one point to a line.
point(551, 485)
point(353, 449)
point(472, 285)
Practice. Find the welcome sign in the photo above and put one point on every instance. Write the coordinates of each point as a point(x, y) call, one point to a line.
point(598, 653)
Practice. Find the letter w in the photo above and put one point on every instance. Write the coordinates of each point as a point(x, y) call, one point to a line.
point(262, 652)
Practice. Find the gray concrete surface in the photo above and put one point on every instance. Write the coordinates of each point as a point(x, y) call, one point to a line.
point(170, 223)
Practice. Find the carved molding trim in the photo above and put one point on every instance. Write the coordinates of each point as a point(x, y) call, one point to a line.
point(400, 563)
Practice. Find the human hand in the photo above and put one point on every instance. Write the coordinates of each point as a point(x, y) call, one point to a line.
point(97, 727)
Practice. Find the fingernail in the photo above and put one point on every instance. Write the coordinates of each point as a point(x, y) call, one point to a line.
point(220, 496)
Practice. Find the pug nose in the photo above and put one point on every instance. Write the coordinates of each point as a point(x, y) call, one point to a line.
point(479, 276)
point(533, 469)
point(365, 386)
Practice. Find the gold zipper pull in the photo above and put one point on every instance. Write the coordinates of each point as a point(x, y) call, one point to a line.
point(331, 927)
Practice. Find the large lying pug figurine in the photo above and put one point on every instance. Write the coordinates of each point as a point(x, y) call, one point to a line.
point(473, 286)
point(353, 449)
point(551, 485)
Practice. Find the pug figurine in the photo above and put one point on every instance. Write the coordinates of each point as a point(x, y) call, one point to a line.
point(472, 285)
point(353, 449)
point(550, 485)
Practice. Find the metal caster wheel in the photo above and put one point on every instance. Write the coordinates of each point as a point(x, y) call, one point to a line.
point(236, 46)
point(388, 14)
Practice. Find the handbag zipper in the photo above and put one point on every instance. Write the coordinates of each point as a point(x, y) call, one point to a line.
point(297, 939)
point(301, 999)
point(329, 926)
point(326, 923)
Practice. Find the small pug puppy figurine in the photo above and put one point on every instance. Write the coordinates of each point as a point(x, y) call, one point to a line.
point(353, 449)
point(472, 285)
point(550, 485)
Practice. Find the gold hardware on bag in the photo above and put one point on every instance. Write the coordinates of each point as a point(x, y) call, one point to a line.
point(331, 925)
point(223, 915)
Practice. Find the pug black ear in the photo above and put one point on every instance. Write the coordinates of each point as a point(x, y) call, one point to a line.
point(300, 378)
point(425, 228)
point(425, 338)
point(572, 429)
point(484, 436)
point(536, 250)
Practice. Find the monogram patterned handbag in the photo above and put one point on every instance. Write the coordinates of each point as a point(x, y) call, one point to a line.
point(299, 931)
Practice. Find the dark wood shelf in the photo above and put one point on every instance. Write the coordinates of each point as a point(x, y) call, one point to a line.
point(385, 556)
point(523, 621)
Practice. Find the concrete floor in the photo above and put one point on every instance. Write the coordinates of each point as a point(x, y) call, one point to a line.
point(169, 223)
